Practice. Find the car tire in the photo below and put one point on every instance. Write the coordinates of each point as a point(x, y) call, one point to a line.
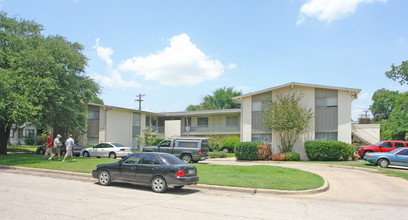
point(186, 158)
point(85, 154)
point(112, 155)
point(383, 163)
point(158, 184)
point(104, 178)
point(178, 187)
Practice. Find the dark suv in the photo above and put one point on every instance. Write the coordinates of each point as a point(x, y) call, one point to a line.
point(77, 150)
point(382, 146)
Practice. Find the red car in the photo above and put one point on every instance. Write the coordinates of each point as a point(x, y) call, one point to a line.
point(382, 146)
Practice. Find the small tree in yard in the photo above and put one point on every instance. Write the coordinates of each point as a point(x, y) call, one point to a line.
point(287, 118)
point(148, 137)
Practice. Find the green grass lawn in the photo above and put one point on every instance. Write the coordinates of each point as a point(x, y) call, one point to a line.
point(260, 176)
point(266, 177)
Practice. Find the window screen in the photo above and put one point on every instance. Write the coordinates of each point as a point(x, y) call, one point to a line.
point(202, 122)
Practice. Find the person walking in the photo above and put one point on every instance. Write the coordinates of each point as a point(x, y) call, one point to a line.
point(56, 148)
point(69, 147)
point(48, 147)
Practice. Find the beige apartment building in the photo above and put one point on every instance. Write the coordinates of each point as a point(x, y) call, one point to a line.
point(331, 107)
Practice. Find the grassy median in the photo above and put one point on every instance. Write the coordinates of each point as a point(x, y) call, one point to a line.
point(261, 177)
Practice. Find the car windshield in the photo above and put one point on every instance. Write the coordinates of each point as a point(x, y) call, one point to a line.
point(117, 145)
point(396, 150)
point(378, 143)
point(170, 159)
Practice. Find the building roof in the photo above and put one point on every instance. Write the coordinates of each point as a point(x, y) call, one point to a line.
point(175, 114)
point(353, 91)
point(202, 112)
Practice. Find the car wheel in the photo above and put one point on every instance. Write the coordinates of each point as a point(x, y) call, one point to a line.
point(112, 155)
point(104, 178)
point(383, 163)
point(85, 154)
point(186, 158)
point(158, 184)
point(178, 187)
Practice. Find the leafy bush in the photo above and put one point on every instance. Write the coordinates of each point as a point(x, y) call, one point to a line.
point(328, 150)
point(280, 157)
point(229, 142)
point(89, 145)
point(293, 156)
point(157, 141)
point(219, 154)
point(246, 150)
point(264, 152)
point(29, 140)
point(288, 156)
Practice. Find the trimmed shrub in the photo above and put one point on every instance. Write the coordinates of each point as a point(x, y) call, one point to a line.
point(288, 156)
point(280, 157)
point(219, 154)
point(229, 143)
point(264, 152)
point(328, 150)
point(157, 141)
point(293, 156)
point(246, 150)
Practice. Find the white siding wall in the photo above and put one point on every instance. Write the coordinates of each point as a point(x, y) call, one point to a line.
point(344, 117)
point(246, 119)
point(119, 127)
point(172, 128)
point(307, 101)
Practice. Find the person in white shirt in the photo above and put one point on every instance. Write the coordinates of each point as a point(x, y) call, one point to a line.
point(56, 148)
point(69, 146)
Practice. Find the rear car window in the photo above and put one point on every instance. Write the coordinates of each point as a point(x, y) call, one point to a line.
point(187, 144)
point(150, 159)
point(117, 145)
point(399, 144)
point(170, 159)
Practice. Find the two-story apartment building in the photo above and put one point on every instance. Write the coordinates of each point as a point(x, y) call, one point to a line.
point(331, 107)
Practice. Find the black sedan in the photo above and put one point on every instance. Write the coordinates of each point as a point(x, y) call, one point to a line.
point(159, 170)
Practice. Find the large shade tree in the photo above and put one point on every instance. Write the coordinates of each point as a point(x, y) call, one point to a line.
point(41, 80)
point(285, 116)
point(220, 99)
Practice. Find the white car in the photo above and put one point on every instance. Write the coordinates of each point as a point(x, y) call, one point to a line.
point(107, 149)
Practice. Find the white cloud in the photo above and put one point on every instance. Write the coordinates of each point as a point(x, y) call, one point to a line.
point(104, 53)
point(113, 79)
point(232, 66)
point(329, 10)
point(364, 96)
point(401, 39)
point(182, 63)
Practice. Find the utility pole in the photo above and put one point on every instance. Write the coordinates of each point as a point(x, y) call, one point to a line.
point(140, 100)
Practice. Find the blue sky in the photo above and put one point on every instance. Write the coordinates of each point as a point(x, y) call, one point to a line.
point(175, 52)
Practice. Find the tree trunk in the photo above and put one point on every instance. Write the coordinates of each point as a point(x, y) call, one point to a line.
point(4, 136)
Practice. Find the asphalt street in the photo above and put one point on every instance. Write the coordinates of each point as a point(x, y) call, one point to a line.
point(27, 196)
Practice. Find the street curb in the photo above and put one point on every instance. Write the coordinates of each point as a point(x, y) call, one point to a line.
point(85, 177)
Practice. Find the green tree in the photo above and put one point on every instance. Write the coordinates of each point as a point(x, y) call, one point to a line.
point(220, 99)
point(148, 137)
point(399, 73)
point(287, 118)
point(396, 126)
point(383, 103)
point(41, 80)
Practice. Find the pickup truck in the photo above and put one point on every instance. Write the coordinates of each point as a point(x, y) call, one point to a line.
point(187, 149)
